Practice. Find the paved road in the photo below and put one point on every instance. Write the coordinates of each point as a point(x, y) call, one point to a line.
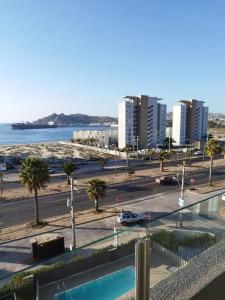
point(23, 210)
point(93, 167)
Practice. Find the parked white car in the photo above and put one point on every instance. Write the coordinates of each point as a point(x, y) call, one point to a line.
point(125, 218)
point(223, 196)
point(198, 152)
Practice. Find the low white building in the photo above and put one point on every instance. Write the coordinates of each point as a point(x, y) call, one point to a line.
point(103, 138)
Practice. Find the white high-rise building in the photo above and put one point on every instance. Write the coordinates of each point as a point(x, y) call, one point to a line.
point(126, 124)
point(190, 121)
point(142, 121)
point(179, 123)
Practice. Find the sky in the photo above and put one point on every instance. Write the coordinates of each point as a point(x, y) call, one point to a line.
point(81, 56)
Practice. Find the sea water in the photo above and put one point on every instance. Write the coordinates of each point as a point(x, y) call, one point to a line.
point(9, 136)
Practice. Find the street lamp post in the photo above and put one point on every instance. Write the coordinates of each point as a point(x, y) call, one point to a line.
point(137, 144)
point(70, 204)
point(207, 140)
point(190, 146)
point(170, 139)
point(182, 195)
point(181, 198)
point(115, 162)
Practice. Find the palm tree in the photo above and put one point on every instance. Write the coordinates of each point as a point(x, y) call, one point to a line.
point(103, 160)
point(162, 156)
point(96, 190)
point(69, 167)
point(127, 149)
point(168, 143)
point(92, 141)
point(212, 149)
point(150, 152)
point(34, 174)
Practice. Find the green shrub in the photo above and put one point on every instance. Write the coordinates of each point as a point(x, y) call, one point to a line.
point(77, 258)
point(166, 239)
point(24, 288)
point(169, 240)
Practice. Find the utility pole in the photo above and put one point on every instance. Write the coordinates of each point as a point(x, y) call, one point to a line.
point(137, 144)
point(70, 204)
point(1, 183)
point(207, 140)
point(181, 200)
point(115, 160)
point(190, 153)
point(169, 139)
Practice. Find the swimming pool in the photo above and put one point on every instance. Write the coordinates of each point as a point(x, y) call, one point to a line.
point(108, 287)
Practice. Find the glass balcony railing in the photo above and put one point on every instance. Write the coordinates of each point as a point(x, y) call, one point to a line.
point(106, 268)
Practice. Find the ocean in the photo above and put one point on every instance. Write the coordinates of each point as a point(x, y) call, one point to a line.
point(8, 136)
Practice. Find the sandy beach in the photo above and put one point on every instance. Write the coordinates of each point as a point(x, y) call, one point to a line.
point(50, 150)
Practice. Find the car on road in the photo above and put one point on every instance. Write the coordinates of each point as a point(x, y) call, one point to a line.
point(128, 217)
point(146, 158)
point(198, 152)
point(51, 171)
point(166, 180)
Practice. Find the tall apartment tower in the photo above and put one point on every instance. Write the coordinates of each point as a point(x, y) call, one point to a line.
point(142, 121)
point(179, 123)
point(190, 121)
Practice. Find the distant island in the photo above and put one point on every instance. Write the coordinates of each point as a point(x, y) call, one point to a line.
point(74, 119)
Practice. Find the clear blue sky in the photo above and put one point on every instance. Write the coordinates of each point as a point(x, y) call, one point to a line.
point(82, 55)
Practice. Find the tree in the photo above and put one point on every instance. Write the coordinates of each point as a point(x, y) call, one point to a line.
point(34, 174)
point(150, 152)
point(69, 167)
point(162, 156)
point(212, 149)
point(130, 172)
point(168, 143)
point(127, 150)
point(92, 141)
point(96, 190)
point(103, 161)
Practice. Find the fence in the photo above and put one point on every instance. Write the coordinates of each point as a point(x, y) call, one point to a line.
point(173, 258)
point(98, 149)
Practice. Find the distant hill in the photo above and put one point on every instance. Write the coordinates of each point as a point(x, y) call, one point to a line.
point(73, 119)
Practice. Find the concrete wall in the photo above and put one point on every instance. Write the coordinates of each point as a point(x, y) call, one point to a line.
point(202, 279)
point(102, 150)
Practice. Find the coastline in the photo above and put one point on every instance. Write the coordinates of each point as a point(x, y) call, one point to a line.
point(10, 137)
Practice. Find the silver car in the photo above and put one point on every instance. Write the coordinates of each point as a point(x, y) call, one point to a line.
point(129, 218)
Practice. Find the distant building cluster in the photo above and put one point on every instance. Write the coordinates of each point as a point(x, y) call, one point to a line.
point(190, 121)
point(142, 122)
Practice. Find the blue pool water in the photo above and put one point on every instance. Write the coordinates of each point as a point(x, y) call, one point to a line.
point(108, 287)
